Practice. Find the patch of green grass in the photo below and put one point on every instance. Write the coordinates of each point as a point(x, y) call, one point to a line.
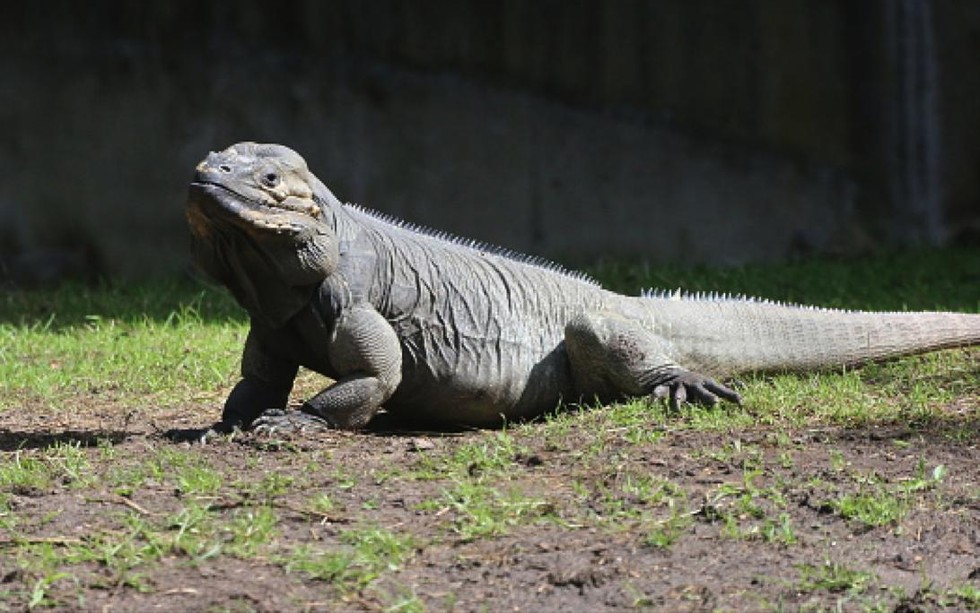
point(73, 304)
point(628, 500)
point(924, 479)
point(39, 596)
point(489, 455)
point(198, 480)
point(368, 552)
point(779, 531)
point(125, 478)
point(128, 343)
point(336, 566)
point(70, 464)
point(273, 485)
point(664, 533)
point(403, 600)
point(749, 511)
point(323, 504)
point(481, 511)
point(126, 556)
point(343, 480)
point(748, 455)
point(24, 471)
point(877, 503)
point(636, 422)
point(650, 490)
point(119, 552)
point(833, 577)
point(41, 565)
point(250, 530)
point(193, 533)
point(875, 507)
point(968, 594)
point(188, 470)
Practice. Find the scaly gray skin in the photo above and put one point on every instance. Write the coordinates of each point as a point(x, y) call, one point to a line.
point(441, 330)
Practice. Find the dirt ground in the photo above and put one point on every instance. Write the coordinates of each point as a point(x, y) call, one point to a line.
point(749, 521)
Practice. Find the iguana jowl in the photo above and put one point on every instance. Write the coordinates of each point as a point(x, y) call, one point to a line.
point(443, 330)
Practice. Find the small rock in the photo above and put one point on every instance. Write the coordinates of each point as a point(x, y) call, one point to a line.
point(420, 444)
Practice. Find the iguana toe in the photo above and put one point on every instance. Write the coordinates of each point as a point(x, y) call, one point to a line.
point(695, 389)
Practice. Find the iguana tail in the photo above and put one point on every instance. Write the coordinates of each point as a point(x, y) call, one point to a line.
point(724, 336)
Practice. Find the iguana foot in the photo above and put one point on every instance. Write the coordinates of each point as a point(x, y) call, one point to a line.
point(685, 386)
point(278, 421)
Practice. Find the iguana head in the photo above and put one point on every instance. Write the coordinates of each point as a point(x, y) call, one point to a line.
point(261, 223)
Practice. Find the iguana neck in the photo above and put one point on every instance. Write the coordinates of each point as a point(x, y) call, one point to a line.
point(253, 278)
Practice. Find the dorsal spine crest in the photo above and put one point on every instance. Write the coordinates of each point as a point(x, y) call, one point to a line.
point(479, 247)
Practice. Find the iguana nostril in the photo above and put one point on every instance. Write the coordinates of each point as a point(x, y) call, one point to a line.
point(224, 168)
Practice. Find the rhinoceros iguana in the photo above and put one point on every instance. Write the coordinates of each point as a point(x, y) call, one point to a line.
point(440, 329)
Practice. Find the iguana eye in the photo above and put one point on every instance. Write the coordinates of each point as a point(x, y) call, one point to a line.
point(270, 179)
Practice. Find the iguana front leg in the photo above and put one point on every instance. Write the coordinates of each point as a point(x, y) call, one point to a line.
point(365, 352)
point(265, 384)
point(614, 357)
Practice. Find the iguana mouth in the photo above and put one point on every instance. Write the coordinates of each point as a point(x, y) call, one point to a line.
point(291, 215)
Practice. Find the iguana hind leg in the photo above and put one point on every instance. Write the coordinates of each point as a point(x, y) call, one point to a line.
point(614, 357)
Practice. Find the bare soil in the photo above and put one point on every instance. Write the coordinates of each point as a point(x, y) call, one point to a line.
point(585, 547)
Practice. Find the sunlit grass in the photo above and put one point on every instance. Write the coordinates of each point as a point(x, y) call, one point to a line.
point(159, 343)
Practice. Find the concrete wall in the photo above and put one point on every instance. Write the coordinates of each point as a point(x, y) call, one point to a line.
point(703, 131)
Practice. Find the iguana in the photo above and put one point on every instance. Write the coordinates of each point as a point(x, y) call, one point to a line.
point(440, 329)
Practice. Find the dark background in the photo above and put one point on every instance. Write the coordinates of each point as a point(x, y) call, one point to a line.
point(678, 131)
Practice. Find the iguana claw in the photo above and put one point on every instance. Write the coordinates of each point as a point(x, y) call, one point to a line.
point(279, 421)
point(696, 389)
